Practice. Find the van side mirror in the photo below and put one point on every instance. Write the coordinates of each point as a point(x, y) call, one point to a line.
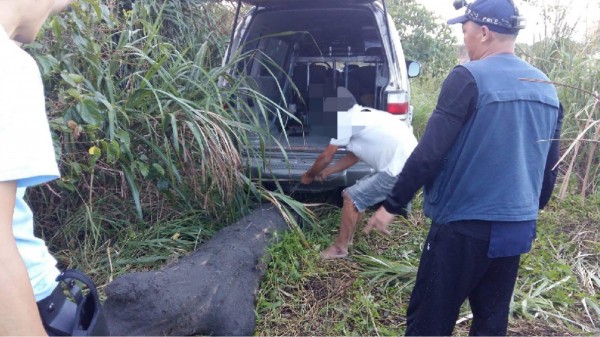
point(414, 68)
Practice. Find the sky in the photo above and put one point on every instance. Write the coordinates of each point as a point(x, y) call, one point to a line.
point(585, 12)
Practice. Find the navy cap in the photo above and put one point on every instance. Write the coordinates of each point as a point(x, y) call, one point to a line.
point(500, 16)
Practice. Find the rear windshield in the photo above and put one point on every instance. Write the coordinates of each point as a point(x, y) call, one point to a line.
point(316, 32)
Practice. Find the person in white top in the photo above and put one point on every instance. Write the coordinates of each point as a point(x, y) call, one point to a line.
point(27, 270)
point(380, 140)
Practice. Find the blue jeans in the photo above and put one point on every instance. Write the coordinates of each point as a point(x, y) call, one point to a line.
point(370, 190)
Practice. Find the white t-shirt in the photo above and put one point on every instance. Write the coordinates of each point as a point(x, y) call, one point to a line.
point(376, 137)
point(26, 154)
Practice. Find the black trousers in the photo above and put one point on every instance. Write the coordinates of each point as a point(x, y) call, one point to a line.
point(455, 267)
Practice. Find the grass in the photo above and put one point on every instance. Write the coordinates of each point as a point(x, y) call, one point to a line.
point(144, 135)
point(367, 294)
point(424, 96)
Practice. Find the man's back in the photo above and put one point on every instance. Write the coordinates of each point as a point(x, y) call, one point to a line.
point(494, 171)
point(376, 137)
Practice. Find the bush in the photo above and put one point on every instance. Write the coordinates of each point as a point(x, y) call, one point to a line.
point(142, 130)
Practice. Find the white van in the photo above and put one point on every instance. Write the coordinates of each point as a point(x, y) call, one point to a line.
point(302, 51)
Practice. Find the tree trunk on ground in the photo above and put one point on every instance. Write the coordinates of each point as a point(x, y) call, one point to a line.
point(209, 292)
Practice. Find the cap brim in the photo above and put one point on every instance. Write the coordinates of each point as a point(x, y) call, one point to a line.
point(459, 19)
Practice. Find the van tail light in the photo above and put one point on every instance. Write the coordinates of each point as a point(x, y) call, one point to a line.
point(397, 103)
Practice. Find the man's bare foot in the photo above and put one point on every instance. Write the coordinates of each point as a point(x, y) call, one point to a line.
point(334, 252)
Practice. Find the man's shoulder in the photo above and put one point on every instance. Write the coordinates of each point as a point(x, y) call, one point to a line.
point(18, 71)
point(14, 57)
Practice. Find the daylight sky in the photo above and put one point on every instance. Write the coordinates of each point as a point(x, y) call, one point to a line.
point(585, 12)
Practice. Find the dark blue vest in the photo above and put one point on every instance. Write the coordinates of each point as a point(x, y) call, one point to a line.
point(494, 170)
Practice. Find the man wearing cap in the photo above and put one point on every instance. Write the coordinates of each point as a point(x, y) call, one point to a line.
point(487, 163)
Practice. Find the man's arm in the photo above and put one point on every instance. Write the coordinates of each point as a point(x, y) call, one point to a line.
point(456, 104)
point(550, 172)
point(322, 161)
point(345, 162)
point(18, 310)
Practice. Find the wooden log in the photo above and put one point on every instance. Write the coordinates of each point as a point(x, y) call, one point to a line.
point(209, 292)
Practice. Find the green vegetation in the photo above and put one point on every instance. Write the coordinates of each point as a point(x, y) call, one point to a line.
point(146, 139)
point(558, 287)
point(367, 294)
point(147, 148)
point(423, 38)
point(575, 68)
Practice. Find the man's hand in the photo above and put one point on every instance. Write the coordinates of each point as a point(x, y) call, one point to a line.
point(324, 174)
point(307, 178)
point(320, 164)
point(380, 222)
point(18, 311)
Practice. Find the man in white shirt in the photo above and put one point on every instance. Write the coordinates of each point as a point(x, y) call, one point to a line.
point(380, 140)
point(27, 270)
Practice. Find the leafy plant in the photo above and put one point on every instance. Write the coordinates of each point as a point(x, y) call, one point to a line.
point(387, 272)
point(424, 38)
point(137, 110)
point(148, 129)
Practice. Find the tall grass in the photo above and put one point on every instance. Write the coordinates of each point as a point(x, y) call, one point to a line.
point(575, 74)
point(144, 134)
point(574, 67)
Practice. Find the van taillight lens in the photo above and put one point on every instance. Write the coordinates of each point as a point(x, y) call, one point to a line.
point(397, 103)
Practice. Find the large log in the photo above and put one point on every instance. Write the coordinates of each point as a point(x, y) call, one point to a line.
point(209, 292)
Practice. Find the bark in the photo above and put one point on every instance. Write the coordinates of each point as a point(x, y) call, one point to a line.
point(209, 292)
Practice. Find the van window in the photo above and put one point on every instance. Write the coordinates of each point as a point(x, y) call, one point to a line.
point(271, 59)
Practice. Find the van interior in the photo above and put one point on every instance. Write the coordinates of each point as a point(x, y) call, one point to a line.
point(300, 57)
